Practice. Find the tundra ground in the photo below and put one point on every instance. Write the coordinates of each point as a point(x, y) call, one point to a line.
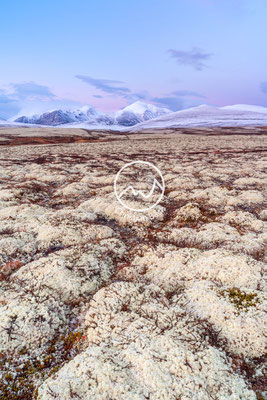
point(100, 302)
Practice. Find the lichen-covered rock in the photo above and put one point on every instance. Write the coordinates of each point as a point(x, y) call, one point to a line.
point(172, 269)
point(243, 220)
point(213, 235)
point(28, 321)
point(113, 210)
point(243, 326)
point(69, 235)
point(132, 359)
point(81, 271)
point(188, 213)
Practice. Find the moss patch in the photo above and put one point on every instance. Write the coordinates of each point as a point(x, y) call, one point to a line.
point(241, 300)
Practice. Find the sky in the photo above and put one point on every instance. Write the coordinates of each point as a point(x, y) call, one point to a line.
point(110, 53)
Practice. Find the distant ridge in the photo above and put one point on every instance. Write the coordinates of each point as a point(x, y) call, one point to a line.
point(205, 115)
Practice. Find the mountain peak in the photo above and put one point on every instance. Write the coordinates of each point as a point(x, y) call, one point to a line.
point(140, 107)
point(203, 107)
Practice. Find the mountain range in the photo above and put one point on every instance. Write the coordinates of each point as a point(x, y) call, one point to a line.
point(128, 116)
point(140, 115)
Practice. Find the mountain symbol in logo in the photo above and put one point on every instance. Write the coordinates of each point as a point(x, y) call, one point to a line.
point(136, 199)
point(131, 189)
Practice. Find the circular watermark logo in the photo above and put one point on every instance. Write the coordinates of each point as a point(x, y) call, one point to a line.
point(139, 186)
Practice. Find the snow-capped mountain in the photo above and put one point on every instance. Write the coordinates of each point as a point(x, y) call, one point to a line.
point(141, 115)
point(204, 115)
point(58, 117)
point(141, 108)
point(139, 112)
point(128, 116)
point(27, 120)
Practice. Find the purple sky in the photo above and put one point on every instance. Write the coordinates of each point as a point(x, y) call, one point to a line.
point(173, 53)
